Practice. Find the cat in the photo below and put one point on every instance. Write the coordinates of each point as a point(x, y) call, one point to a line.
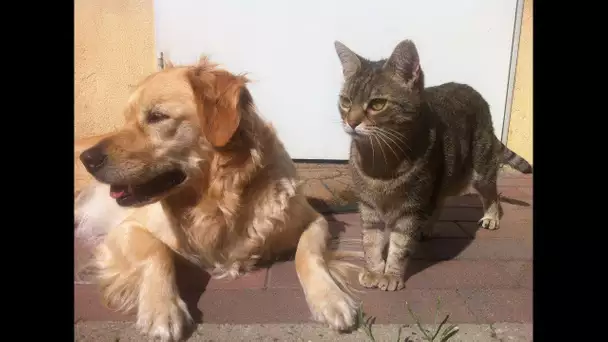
point(411, 147)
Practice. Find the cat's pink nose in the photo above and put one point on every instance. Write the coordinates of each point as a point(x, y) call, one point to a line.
point(352, 123)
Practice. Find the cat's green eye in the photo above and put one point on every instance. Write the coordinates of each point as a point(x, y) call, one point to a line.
point(344, 102)
point(377, 104)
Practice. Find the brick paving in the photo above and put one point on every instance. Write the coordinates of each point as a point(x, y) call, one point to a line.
point(481, 276)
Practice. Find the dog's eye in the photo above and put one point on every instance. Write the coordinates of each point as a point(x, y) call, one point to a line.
point(155, 116)
point(377, 105)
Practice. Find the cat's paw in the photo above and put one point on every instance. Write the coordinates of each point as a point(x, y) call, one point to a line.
point(391, 282)
point(368, 278)
point(490, 223)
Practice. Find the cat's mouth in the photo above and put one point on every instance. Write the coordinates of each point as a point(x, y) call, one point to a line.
point(356, 132)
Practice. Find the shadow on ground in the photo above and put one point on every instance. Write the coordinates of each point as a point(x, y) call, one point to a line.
point(445, 244)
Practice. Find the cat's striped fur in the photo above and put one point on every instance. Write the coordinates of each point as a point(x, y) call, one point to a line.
point(411, 148)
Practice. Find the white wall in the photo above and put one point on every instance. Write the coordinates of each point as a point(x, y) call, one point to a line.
point(287, 49)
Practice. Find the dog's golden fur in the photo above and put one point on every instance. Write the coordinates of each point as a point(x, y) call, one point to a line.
point(240, 203)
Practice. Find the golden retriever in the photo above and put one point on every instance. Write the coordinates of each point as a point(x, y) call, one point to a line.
point(195, 171)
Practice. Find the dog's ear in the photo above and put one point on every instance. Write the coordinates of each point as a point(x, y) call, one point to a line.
point(220, 93)
point(224, 120)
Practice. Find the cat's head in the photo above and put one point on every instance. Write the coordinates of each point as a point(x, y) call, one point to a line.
point(383, 94)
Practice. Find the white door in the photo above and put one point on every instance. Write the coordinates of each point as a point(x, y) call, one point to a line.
point(287, 49)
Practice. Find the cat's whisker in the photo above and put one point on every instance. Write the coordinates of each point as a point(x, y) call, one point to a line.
point(393, 141)
point(381, 149)
point(380, 132)
point(387, 132)
point(380, 137)
point(395, 132)
point(369, 137)
point(402, 141)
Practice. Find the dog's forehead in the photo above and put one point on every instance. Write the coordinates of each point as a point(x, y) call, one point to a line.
point(170, 85)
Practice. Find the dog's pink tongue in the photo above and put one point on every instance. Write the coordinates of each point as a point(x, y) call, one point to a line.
point(116, 194)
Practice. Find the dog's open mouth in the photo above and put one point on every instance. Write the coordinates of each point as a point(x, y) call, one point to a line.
point(130, 195)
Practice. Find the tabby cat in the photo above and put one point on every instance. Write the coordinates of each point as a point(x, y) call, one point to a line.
point(411, 148)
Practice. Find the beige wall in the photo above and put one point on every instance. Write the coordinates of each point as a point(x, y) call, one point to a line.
point(519, 138)
point(113, 49)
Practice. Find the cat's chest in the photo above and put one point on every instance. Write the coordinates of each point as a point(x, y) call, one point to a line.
point(373, 190)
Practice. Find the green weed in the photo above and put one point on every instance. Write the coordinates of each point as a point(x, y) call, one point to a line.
point(440, 334)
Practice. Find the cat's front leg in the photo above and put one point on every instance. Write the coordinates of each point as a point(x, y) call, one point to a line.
point(373, 246)
point(402, 244)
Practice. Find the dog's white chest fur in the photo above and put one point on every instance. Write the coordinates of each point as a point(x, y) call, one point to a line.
point(96, 212)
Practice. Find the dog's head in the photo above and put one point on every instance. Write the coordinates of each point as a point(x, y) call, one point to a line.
point(174, 120)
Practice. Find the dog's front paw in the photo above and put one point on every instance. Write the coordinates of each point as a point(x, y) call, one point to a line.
point(164, 320)
point(335, 308)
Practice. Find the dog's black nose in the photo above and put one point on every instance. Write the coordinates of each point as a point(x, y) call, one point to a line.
point(94, 158)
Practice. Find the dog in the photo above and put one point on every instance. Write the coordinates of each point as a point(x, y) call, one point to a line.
point(196, 172)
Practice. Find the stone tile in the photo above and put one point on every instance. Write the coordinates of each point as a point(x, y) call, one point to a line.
point(441, 249)
point(283, 275)
point(345, 229)
point(498, 249)
point(288, 305)
point(509, 172)
point(191, 280)
point(527, 190)
point(514, 332)
point(458, 274)
point(513, 225)
point(478, 249)
point(341, 189)
point(470, 333)
point(349, 226)
point(527, 275)
point(499, 305)
point(390, 307)
point(517, 197)
point(88, 306)
point(313, 188)
point(251, 280)
point(515, 181)
point(461, 214)
point(515, 193)
point(321, 170)
point(254, 306)
point(82, 257)
point(520, 205)
point(347, 218)
point(468, 200)
point(448, 229)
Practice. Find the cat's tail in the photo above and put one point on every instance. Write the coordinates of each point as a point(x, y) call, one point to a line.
point(515, 160)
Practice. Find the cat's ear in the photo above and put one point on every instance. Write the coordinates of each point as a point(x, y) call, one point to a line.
point(405, 63)
point(351, 63)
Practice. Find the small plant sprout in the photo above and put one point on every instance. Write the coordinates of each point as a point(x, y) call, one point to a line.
point(445, 335)
point(439, 334)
